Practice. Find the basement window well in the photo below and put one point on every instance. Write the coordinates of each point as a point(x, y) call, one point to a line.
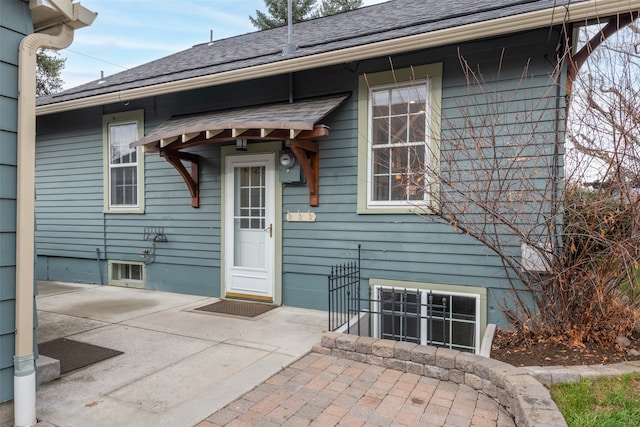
point(428, 316)
point(127, 274)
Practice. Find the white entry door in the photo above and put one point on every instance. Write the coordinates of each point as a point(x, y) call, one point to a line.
point(249, 226)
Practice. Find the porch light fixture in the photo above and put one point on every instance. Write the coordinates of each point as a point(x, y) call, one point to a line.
point(241, 144)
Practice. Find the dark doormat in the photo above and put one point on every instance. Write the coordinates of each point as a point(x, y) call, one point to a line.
point(237, 308)
point(75, 354)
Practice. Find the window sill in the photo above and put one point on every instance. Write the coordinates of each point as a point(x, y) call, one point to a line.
point(135, 284)
point(124, 211)
point(396, 210)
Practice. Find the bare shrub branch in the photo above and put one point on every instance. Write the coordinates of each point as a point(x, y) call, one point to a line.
point(570, 254)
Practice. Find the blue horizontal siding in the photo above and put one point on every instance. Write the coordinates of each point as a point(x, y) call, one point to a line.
point(73, 269)
point(9, 152)
point(406, 247)
point(71, 224)
point(9, 73)
point(7, 283)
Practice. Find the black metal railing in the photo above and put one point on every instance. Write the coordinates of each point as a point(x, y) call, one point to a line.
point(396, 313)
point(344, 293)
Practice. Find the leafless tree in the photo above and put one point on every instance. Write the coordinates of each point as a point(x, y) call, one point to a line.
point(570, 253)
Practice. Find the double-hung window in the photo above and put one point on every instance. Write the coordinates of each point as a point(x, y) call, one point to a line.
point(399, 127)
point(123, 165)
point(398, 153)
point(124, 172)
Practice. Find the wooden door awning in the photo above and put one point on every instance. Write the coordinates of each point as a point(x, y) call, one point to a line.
point(297, 123)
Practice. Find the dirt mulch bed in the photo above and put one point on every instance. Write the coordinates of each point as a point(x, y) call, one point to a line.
point(555, 353)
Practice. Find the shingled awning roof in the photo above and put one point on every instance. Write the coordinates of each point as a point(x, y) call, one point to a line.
point(297, 123)
point(275, 121)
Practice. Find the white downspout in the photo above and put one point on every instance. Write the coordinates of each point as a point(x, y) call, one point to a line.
point(24, 379)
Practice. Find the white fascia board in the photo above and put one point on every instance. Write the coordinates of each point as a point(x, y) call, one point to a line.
point(61, 6)
point(49, 13)
point(46, 15)
point(580, 12)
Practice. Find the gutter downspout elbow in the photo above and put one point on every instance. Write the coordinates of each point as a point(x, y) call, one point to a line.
point(24, 379)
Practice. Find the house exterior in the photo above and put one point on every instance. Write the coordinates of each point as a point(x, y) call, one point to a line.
point(247, 167)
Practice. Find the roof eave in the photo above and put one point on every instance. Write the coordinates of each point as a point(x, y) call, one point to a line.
point(579, 12)
point(48, 14)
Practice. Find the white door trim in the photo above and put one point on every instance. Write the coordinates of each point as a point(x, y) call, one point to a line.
point(253, 282)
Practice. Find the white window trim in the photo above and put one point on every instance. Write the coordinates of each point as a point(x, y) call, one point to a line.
point(480, 294)
point(136, 116)
point(401, 77)
point(127, 283)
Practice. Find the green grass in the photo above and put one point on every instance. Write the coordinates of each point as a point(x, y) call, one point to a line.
point(607, 401)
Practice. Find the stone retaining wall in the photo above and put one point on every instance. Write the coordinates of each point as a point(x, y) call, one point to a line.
point(524, 397)
point(550, 375)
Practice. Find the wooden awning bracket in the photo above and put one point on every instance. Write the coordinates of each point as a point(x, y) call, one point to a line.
point(614, 24)
point(307, 153)
point(305, 150)
point(192, 179)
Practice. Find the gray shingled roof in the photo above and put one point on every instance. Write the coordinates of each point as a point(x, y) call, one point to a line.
point(384, 21)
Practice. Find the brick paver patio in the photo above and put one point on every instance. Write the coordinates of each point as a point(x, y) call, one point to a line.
point(322, 390)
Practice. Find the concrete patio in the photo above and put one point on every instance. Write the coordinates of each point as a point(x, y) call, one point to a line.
point(182, 367)
point(178, 366)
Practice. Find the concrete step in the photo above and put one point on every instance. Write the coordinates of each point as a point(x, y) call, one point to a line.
point(48, 369)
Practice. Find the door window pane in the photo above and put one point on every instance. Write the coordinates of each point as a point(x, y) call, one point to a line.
point(250, 197)
point(249, 216)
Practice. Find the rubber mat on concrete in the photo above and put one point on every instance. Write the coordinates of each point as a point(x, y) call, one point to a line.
point(237, 308)
point(75, 354)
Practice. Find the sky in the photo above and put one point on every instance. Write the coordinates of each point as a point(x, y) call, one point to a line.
point(128, 33)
